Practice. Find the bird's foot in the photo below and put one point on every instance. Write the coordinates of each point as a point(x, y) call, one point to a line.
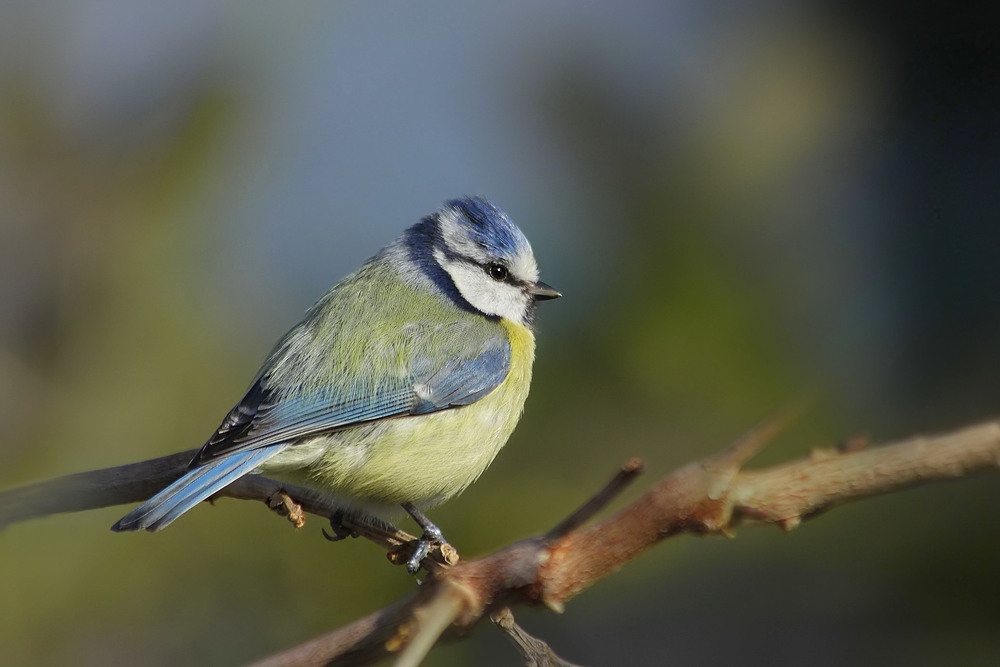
point(430, 537)
point(428, 540)
point(340, 532)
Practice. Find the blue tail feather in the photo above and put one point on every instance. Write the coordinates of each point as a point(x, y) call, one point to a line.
point(194, 487)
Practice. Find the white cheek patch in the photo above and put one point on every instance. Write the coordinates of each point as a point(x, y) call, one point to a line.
point(485, 294)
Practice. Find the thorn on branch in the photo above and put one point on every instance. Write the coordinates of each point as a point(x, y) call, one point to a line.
point(790, 524)
point(750, 444)
point(854, 444)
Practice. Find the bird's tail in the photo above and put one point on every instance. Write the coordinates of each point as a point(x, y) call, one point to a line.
point(194, 487)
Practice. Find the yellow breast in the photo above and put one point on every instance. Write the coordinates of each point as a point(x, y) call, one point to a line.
point(428, 458)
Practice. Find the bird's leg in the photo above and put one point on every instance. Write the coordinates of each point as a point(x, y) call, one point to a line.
point(339, 531)
point(431, 536)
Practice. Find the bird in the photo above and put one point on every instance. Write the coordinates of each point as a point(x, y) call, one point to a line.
point(397, 388)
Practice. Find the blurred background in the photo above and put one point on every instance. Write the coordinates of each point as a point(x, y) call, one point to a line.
point(742, 202)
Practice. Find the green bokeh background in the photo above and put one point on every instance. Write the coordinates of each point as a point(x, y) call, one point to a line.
point(743, 204)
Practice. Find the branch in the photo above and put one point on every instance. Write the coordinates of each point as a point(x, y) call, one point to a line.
point(132, 483)
point(709, 496)
point(137, 482)
point(534, 652)
point(713, 495)
point(706, 497)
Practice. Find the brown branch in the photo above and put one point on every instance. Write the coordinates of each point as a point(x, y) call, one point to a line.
point(132, 483)
point(786, 494)
point(534, 652)
point(361, 642)
point(709, 496)
point(136, 482)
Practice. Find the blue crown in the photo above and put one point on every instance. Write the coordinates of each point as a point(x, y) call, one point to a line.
point(490, 227)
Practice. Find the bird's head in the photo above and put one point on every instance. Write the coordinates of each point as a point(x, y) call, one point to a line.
point(488, 259)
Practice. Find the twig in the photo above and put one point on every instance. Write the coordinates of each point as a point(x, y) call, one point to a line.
point(628, 473)
point(430, 620)
point(533, 650)
point(130, 483)
point(361, 642)
point(136, 482)
point(788, 493)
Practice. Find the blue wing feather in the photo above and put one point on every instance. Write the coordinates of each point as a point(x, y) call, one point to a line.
point(454, 383)
point(194, 487)
point(265, 423)
point(321, 412)
point(463, 383)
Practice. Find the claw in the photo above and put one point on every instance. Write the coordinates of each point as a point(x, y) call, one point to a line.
point(339, 531)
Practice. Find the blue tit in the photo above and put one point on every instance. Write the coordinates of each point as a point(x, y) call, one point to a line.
point(398, 387)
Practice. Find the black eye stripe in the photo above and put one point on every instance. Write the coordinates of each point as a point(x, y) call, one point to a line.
point(497, 270)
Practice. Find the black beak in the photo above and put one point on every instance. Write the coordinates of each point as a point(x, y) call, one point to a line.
point(542, 292)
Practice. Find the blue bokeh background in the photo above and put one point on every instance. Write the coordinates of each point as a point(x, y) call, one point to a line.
point(743, 203)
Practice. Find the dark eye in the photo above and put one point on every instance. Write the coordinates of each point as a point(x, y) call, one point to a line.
point(497, 271)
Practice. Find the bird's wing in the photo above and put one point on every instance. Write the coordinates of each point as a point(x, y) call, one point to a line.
point(265, 417)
